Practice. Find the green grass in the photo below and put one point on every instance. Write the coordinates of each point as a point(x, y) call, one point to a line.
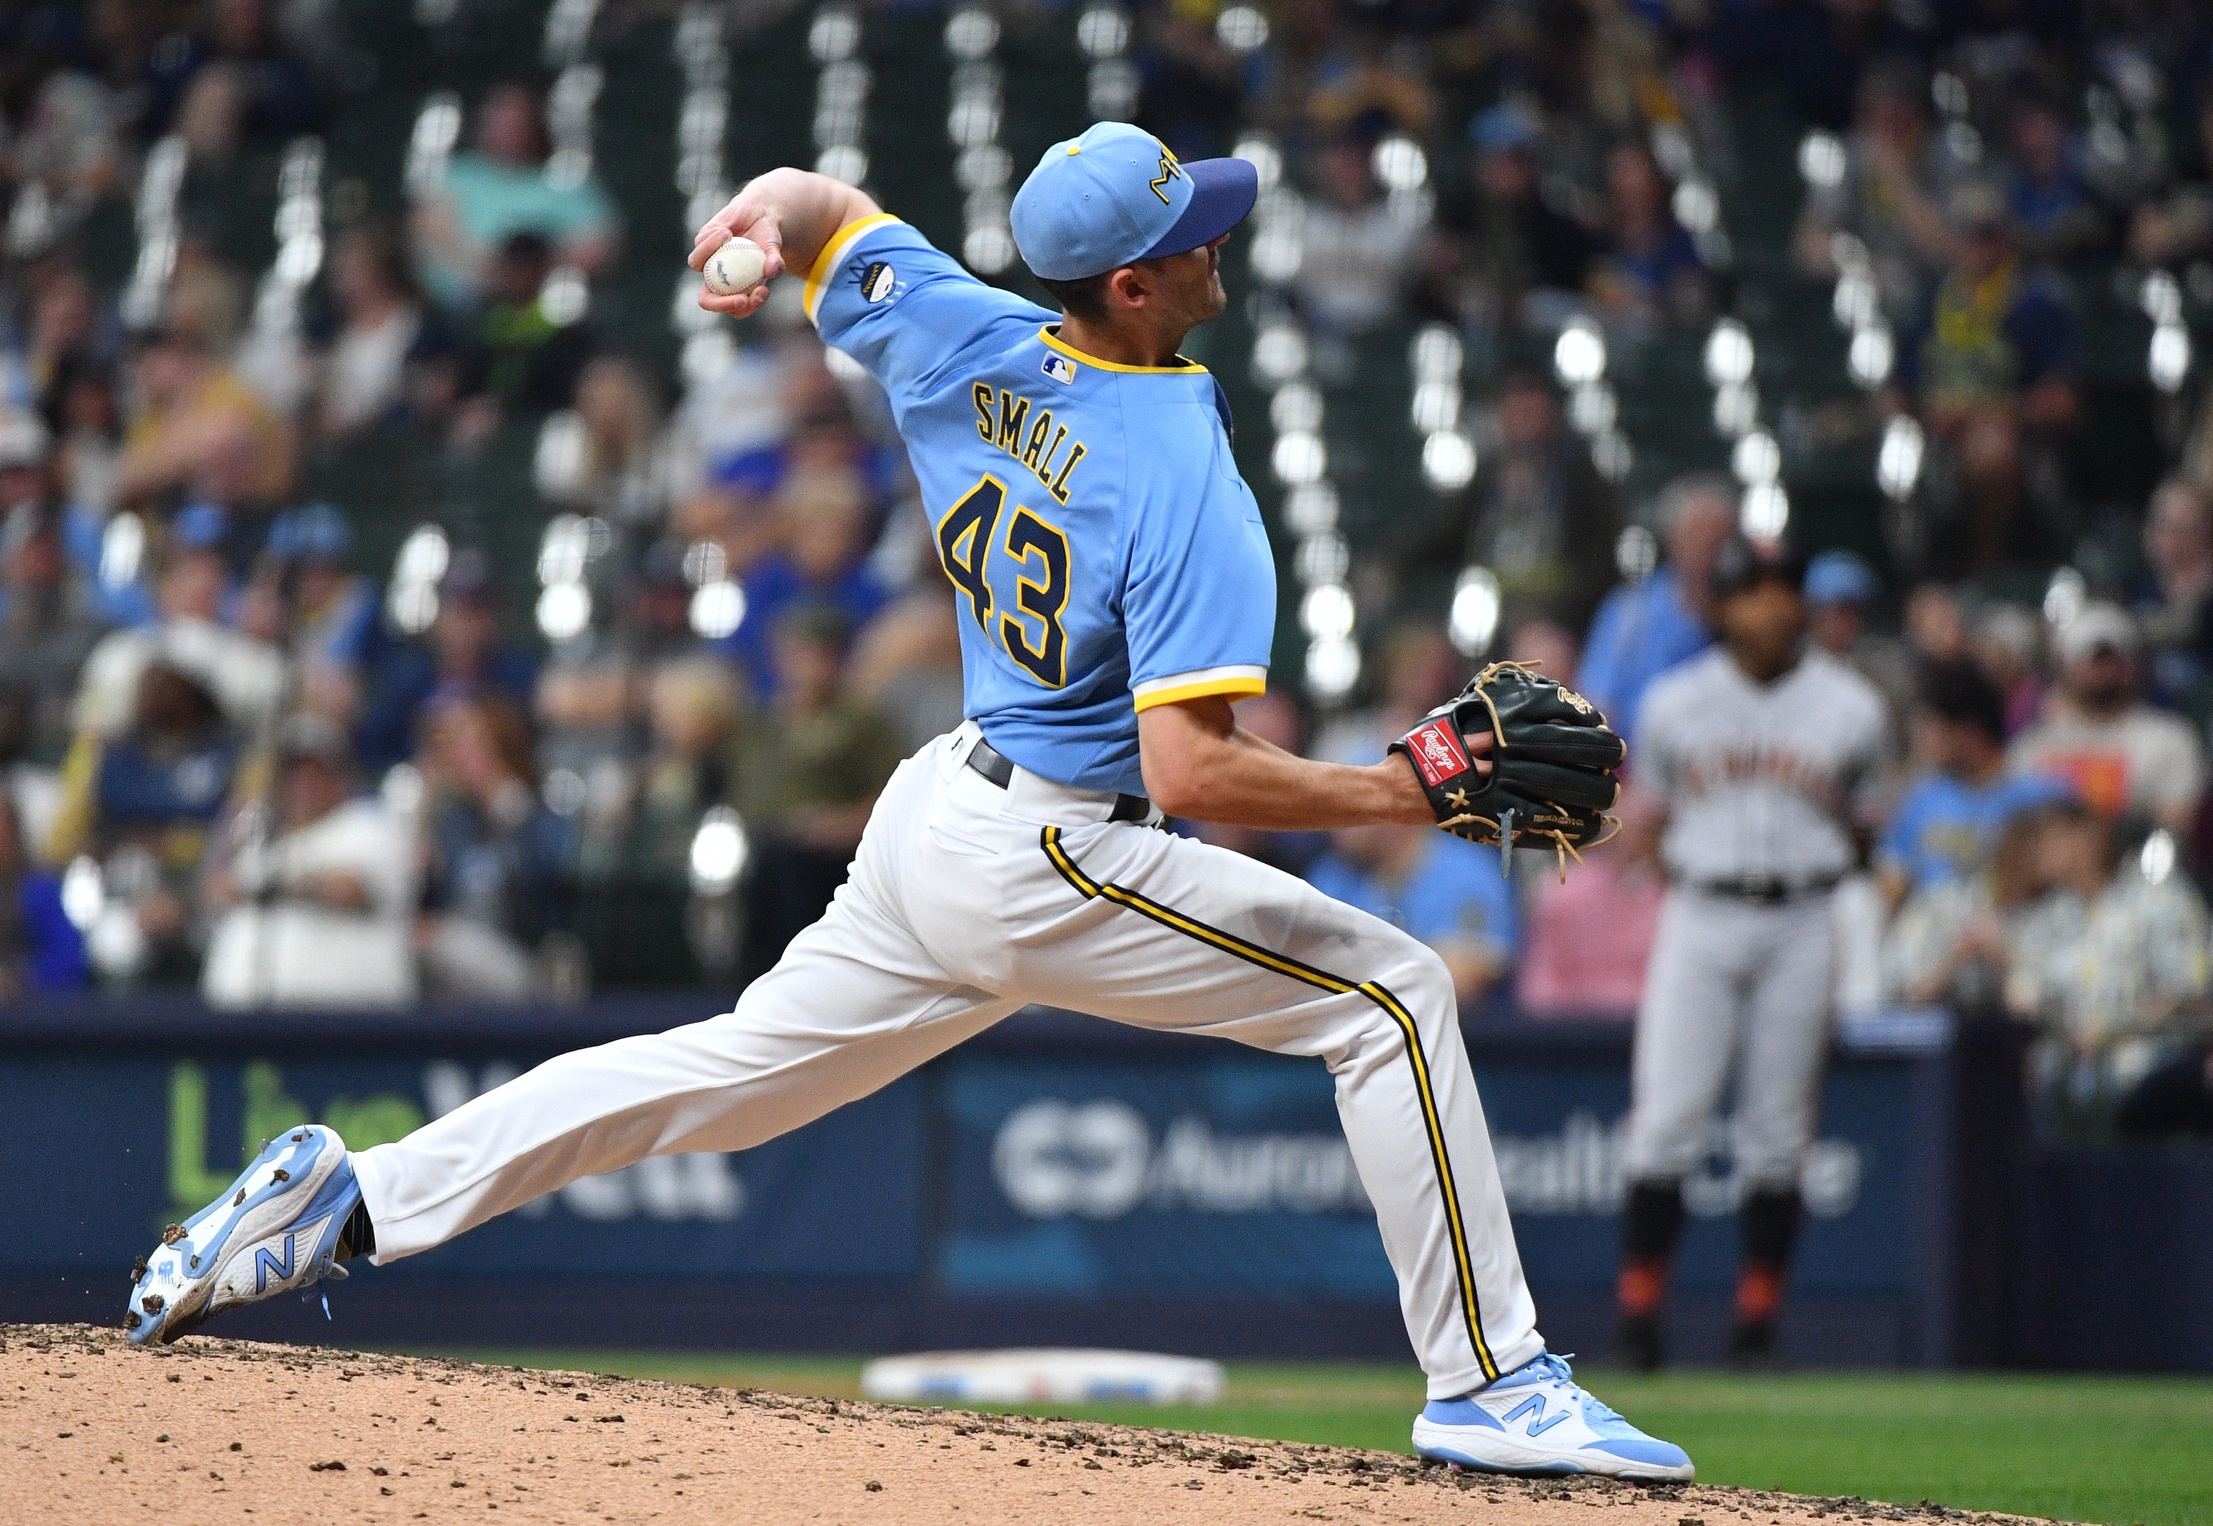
point(2103, 1449)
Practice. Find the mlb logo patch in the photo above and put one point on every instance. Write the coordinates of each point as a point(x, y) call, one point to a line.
point(1060, 368)
point(878, 282)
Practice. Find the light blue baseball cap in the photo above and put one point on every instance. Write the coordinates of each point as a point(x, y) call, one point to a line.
point(1839, 577)
point(1117, 195)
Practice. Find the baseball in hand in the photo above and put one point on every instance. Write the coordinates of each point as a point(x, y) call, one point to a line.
point(735, 268)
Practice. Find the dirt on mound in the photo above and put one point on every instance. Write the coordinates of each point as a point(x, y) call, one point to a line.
point(94, 1430)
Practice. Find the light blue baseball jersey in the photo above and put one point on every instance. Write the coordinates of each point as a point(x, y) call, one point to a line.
point(1105, 555)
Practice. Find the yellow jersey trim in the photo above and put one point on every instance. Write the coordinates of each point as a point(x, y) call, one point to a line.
point(811, 296)
point(1055, 342)
point(1236, 683)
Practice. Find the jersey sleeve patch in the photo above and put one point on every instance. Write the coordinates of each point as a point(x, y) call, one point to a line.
point(834, 251)
point(1240, 681)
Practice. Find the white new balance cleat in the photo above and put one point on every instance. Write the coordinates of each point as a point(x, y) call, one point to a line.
point(275, 1229)
point(1537, 1419)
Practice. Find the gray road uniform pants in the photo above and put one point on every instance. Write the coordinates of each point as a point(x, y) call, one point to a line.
point(968, 901)
point(1734, 987)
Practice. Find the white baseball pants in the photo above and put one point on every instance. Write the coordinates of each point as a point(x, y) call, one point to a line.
point(1732, 984)
point(967, 902)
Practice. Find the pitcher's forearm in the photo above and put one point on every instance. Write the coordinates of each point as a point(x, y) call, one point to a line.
point(1200, 765)
point(791, 214)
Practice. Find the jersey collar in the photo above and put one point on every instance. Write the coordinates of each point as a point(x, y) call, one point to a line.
point(1182, 367)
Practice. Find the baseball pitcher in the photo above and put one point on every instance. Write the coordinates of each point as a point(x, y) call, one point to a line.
point(1116, 592)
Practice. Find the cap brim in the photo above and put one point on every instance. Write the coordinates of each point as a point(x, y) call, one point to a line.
point(1222, 193)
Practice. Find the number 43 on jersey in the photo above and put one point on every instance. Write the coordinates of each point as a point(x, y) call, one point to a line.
point(968, 539)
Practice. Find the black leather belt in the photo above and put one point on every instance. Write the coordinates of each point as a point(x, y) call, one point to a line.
point(1766, 892)
point(999, 769)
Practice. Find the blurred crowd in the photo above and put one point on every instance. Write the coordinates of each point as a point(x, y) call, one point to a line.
point(240, 752)
point(2038, 846)
point(305, 754)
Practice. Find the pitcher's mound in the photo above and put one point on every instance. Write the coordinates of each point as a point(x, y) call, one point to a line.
point(96, 1431)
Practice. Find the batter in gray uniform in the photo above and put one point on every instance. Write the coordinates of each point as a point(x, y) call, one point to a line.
point(1759, 753)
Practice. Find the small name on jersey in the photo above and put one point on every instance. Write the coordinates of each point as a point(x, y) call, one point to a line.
point(1005, 418)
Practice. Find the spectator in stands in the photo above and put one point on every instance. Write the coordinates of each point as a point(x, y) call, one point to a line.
point(84, 414)
point(1957, 937)
point(1505, 256)
point(329, 618)
point(519, 356)
point(318, 917)
point(46, 626)
point(383, 333)
point(1361, 251)
point(277, 98)
point(1364, 82)
point(40, 948)
point(827, 525)
point(2176, 612)
point(1936, 623)
point(2179, 226)
point(199, 430)
point(462, 656)
point(1446, 892)
point(32, 784)
point(1538, 514)
point(85, 420)
point(623, 476)
point(2112, 965)
point(67, 330)
point(1992, 373)
point(2116, 752)
point(1890, 198)
point(1649, 272)
point(246, 674)
point(65, 156)
point(148, 59)
point(1947, 824)
point(1842, 593)
point(806, 773)
point(1419, 671)
point(1586, 940)
point(907, 663)
point(143, 803)
point(502, 189)
point(2008, 643)
point(1191, 87)
point(2051, 206)
point(653, 608)
point(693, 714)
point(494, 854)
point(1645, 628)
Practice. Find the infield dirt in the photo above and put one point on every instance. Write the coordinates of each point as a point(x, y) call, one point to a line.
point(93, 1430)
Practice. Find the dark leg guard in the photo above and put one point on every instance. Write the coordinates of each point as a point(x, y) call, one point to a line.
point(1652, 1221)
point(1767, 1225)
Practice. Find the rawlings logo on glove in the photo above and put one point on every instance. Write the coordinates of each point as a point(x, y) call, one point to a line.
point(1553, 760)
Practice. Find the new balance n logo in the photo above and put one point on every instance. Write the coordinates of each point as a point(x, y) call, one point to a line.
point(1533, 1407)
point(264, 1264)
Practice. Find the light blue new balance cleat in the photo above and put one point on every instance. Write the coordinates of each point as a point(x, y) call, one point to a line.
point(276, 1228)
point(1537, 1419)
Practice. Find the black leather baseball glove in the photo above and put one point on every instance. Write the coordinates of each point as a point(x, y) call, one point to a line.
point(1552, 763)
